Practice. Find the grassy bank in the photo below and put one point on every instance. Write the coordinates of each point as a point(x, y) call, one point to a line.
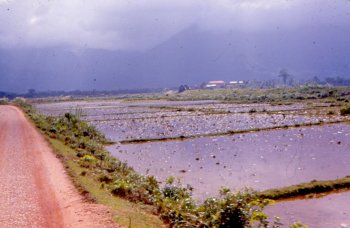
point(272, 95)
point(306, 189)
point(126, 213)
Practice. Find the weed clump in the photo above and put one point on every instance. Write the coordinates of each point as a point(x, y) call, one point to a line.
point(345, 110)
point(330, 112)
point(253, 110)
point(4, 101)
point(88, 161)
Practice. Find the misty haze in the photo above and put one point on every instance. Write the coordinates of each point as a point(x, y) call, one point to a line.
point(226, 113)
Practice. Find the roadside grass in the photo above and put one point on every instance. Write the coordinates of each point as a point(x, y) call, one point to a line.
point(125, 213)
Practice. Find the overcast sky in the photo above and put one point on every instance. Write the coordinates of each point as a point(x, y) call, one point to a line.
point(139, 26)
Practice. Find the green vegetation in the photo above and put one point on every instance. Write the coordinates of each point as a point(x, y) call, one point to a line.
point(333, 94)
point(345, 110)
point(126, 213)
point(81, 149)
point(298, 225)
point(4, 101)
point(330, 112)
point(275, 95)
point(305, 189)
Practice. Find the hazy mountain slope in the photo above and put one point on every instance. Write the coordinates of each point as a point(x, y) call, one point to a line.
point(189, 57)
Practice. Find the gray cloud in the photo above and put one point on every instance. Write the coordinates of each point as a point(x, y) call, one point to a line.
point(117, 44)
point(139, 25)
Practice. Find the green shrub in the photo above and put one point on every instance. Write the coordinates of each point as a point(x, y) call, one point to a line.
point(106, 178)
point(170, 180)
point(121, 188)
point(241, 209)
point(330, 112)
point(88, 161)
point(345, 110)
point(22, 102)
point(4, 101)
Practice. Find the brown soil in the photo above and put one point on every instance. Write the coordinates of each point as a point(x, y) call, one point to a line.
point(35, 190)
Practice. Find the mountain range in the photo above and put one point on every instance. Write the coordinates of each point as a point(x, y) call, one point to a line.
point(191, 56)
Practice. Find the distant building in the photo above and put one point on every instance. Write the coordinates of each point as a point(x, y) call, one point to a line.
point(238, 83)
point(216, 84)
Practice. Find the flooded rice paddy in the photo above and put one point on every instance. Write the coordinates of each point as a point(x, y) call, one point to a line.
point(152, 120)
point(261, 160)
point(190, 125)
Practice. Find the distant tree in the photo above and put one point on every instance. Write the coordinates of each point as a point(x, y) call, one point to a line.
point(203, 84)
point(338, 81)
point(183, 88)
point(290, 81)
point(284, 75)
point(316, 80)
point(31, 91)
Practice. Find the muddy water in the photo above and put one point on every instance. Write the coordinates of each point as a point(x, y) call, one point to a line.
point(327, 212)
point(197, 125)
point(260, 160)
point(234, 108)
point(100, 107)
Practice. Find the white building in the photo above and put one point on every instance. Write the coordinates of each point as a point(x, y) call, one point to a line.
point(216, 84)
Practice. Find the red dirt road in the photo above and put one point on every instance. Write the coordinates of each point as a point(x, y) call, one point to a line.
point(35, 190)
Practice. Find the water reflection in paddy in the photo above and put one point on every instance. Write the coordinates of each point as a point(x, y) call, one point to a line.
point(326, 212)
point(260, 160)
